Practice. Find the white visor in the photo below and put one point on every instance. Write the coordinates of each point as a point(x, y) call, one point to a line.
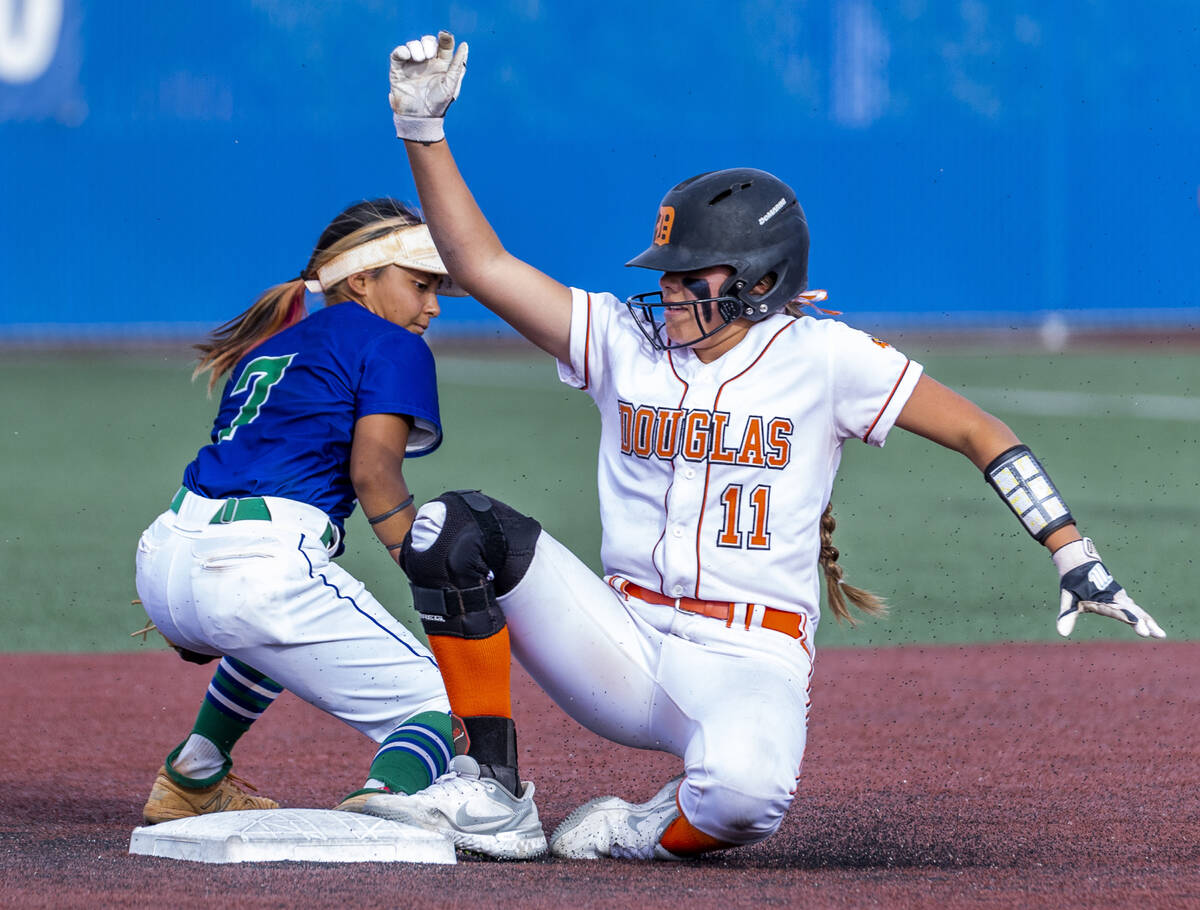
point(411, 247)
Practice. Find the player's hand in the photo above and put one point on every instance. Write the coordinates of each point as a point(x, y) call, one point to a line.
point(1088, 587)
point(425, 77)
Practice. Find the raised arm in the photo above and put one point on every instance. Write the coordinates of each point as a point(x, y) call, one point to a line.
point(425, 78)
point(1085, 585)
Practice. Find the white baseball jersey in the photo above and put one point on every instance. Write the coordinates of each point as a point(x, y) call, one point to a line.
point(712, 481)
point(713, 476)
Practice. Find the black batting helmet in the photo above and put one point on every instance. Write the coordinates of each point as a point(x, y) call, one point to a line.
point(743, 218)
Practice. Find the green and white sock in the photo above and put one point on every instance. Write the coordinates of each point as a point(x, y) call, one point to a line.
point(199, 758)
point(413, 755)
point(236, 697)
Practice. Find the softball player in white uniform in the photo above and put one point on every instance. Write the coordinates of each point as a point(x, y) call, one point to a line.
point(723, 415)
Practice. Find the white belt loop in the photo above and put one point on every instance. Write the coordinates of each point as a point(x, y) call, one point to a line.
point(299, 515)
point(739, 616)
point(617, 583)
point(196, 512)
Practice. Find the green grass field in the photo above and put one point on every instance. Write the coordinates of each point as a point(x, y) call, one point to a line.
point(94, 446)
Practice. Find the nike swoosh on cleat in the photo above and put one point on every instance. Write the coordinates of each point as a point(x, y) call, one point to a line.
point(465, 821)
point(636, 825)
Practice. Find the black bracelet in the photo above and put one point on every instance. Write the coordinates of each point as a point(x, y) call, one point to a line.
point(386, 515)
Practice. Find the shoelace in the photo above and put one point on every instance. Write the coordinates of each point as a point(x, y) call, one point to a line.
point(240, 782)
point(453, 782)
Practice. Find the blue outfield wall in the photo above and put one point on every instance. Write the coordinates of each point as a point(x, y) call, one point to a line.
point(963, 164)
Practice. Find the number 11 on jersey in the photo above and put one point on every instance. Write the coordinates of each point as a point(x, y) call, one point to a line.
point(758, 503)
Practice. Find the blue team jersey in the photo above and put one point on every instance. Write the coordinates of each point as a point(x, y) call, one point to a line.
point(287, 413)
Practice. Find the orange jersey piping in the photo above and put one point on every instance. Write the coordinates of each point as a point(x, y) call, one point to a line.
point(892, 395)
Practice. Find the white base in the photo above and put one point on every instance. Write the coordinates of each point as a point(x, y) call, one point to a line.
point(274, 835)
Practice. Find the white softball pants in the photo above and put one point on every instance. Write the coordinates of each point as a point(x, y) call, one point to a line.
point(267, 593)
point(731, 702)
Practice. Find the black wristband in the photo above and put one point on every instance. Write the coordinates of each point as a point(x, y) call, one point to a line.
point(388, 514)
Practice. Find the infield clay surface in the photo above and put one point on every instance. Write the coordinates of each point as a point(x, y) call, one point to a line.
point(938, 777)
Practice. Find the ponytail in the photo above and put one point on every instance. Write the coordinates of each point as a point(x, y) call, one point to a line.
point(276, 308)
point(837, 589)
point(283, 305)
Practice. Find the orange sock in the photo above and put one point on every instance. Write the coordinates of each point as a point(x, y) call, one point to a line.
point(682, 839)
point(476, 673)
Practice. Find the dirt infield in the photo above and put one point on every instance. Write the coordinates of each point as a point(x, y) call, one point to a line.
point(999, 776)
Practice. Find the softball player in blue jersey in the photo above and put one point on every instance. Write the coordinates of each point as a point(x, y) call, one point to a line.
point(318, 411)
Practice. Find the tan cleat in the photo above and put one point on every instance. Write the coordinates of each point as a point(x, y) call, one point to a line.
point(357, 801)
point(169, 801)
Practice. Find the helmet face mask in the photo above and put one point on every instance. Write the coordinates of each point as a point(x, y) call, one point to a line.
point(741, 218)
point(646, 308)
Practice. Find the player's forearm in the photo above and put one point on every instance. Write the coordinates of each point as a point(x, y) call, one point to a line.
point(377, 475)
point(989, 438)
point(947, 418)
point(985, 437)
point(391, 534)
point(423, 85)
point(536, 305)
point(465, 240)
point(386, 502)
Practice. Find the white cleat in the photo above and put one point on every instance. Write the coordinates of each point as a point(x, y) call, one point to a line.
point(477, 813)
point(609, 827)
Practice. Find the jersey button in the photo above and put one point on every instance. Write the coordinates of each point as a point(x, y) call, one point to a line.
point(678, 532)
point(677, 590)
point(689, 473)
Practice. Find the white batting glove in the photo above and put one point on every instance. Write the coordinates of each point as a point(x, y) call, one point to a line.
point(1088, 587)
point(425, 77)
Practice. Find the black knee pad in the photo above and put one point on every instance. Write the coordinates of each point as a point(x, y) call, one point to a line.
point(481, 537)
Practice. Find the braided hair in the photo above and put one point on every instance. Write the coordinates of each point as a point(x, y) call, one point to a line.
point(837, 589)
